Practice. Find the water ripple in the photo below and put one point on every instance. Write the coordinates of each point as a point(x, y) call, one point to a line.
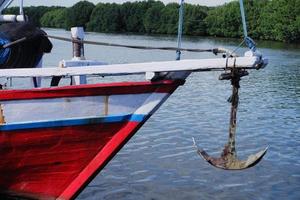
point(160, 162)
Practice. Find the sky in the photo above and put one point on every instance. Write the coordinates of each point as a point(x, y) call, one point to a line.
point(71, 2)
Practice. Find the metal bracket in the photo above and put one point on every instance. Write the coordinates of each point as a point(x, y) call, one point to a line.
point(250, 43)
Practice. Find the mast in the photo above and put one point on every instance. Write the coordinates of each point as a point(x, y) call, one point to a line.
point(21, 7)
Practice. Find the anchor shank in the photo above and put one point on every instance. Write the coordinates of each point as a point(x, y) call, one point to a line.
point(233, 114)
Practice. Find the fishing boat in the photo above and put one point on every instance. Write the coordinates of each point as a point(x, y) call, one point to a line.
point(54, 140)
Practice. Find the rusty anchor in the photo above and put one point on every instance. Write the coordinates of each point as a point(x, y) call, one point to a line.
point(228, 159)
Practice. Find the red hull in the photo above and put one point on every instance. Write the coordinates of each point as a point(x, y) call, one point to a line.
point(47, 163)
point(58, 161)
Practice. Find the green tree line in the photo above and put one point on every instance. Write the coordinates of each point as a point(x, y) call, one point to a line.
point(267, 19)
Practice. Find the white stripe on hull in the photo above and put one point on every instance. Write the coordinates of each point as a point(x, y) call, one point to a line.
point(20, 111)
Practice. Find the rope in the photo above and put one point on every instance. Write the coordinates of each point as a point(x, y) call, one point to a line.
point(215, 50)
point(242, 9)
point(180, 26)
point(233, 54)
point(249, 42)
point(14, 43)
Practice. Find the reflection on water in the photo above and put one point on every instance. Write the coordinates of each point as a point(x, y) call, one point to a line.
point(160, 162)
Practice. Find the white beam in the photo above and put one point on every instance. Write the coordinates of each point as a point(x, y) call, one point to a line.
point(136, 68)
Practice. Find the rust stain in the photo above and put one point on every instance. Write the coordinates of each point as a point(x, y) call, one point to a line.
point(106, 103)
point(2, 118)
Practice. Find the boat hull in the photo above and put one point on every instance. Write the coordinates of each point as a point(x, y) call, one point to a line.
point(56, 159)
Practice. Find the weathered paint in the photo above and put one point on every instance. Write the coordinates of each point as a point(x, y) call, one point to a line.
point(2, 118)
point(56, 159)
point(43, 162)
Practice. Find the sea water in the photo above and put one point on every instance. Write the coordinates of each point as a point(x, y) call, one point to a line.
point(159, 162)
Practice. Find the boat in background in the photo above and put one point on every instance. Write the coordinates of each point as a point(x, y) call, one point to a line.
point(54, 140)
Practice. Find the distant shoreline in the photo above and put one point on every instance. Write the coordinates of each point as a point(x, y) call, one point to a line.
point(267, 20)
point(260, 43)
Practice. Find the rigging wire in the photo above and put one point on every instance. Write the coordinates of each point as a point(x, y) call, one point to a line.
point(249, 41)
point(243, 18)
point(213, 50)
point(180, 25)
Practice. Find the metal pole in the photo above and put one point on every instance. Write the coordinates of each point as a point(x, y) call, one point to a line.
point(21, 7)
point(78, 53)
point(180, 24)
point(78, 48)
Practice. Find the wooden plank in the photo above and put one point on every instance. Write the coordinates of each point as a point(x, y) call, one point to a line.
point(136, 68)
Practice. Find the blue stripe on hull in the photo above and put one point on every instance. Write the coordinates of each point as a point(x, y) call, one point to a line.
point(73, 122)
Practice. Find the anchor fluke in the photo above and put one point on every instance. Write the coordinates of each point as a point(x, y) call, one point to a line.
point(228, 161)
